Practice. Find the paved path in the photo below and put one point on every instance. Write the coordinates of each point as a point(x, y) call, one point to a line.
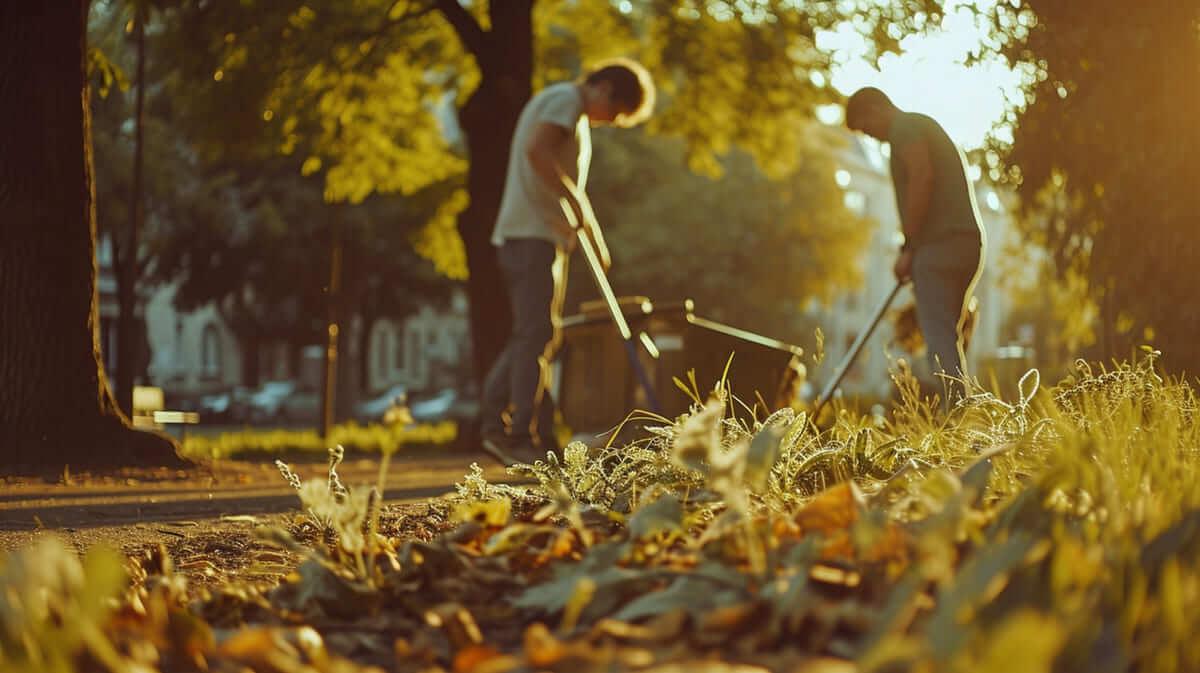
point(120, 509)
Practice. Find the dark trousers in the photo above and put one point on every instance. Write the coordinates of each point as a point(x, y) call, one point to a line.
point(944, 275)
point(518, 377)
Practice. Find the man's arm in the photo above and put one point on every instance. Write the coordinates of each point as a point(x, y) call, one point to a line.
point(919, 190)
point(542, 152)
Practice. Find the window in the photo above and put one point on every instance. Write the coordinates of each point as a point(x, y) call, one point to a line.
point(210, 353)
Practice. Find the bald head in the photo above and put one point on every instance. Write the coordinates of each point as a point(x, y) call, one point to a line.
point(870, 110)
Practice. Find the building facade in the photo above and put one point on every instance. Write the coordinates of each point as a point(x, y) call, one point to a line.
point(194, 353)
point(428, 351)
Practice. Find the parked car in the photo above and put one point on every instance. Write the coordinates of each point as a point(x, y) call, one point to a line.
point(446, 405)
point(433, 408)
point(266, 403)
point(302, 406)
point(216, 407)
point(373, 410)
point(225, 406)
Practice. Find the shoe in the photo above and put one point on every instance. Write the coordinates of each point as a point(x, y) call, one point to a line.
point(527, 454)
point(496, 446)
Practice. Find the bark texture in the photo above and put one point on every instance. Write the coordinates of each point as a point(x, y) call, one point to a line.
point(56, 407)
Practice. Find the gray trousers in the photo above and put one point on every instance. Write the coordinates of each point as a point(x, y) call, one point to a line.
point(944, 275)
point(518, 375)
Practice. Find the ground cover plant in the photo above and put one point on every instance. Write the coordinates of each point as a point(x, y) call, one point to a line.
point(1054, 532)
point(373, 438)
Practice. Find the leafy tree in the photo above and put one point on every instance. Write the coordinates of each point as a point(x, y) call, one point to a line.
point(261, 253)
point(244, 231)
point(1103, 153)
point(353, 89)
point(56, 406)
point(749, 249)
point(142, 169)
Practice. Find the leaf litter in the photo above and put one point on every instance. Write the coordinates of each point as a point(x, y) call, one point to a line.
point(1056, 533)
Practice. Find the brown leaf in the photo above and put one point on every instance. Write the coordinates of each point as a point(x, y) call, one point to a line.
point(470, 658)
point(541, 647)
point(832, 510)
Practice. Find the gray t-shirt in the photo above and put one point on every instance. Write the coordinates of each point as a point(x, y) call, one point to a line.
point(953, 212)
point(529, 207)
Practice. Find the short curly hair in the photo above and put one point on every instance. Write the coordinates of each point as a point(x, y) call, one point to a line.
point(632, 88)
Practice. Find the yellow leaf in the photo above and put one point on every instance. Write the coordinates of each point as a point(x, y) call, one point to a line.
point(1027, 642)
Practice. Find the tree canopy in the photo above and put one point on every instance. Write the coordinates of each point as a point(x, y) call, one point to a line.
point(749, 249)
point(1103, 153)
point(244, 230)
point(361, 93)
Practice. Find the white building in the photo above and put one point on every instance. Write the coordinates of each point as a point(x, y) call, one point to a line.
point(424, 352)
point(196, 352)
point(863, 174)
point(190, 351)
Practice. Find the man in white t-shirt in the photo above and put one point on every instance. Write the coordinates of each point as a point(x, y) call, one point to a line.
point(551, 148)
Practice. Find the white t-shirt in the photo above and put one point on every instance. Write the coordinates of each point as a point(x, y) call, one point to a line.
point(529, 207)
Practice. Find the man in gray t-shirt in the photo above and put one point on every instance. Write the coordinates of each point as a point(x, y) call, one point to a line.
point(550, 152)
point(943, 234)
point(529, 207)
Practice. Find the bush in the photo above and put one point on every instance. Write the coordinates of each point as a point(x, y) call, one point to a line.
point(374, 438)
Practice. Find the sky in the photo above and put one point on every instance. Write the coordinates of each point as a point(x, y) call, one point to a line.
point(929, 76)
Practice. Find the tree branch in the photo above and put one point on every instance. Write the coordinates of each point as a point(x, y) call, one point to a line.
point(411, 13)
point(385, 24)
point(372, 37)
point(469, 31)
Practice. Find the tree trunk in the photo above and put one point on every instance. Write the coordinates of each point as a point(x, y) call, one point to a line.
point(56, 407)
point(488, 119)
point(329, 373)
point(127, 247)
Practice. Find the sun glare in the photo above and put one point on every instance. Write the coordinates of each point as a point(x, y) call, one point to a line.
point(930, 75)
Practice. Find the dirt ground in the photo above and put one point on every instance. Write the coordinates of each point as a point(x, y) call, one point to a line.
point(205, 517)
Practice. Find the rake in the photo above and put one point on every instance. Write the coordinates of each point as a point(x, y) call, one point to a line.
point(855, 349)
point(606, 291)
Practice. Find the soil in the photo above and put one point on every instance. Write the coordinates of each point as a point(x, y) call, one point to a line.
point(205, 517)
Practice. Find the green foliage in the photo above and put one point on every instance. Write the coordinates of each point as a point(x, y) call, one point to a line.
point(782, 241)
point(353, 89)
point(1102, 153)
point(347, 92)
point(54, 607)
point(245, 229)
point(1032, 520)
point(1056, 532)
point(374, 438)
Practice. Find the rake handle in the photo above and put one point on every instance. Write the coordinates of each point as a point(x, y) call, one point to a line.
point(855, 349)
point(610, 299)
